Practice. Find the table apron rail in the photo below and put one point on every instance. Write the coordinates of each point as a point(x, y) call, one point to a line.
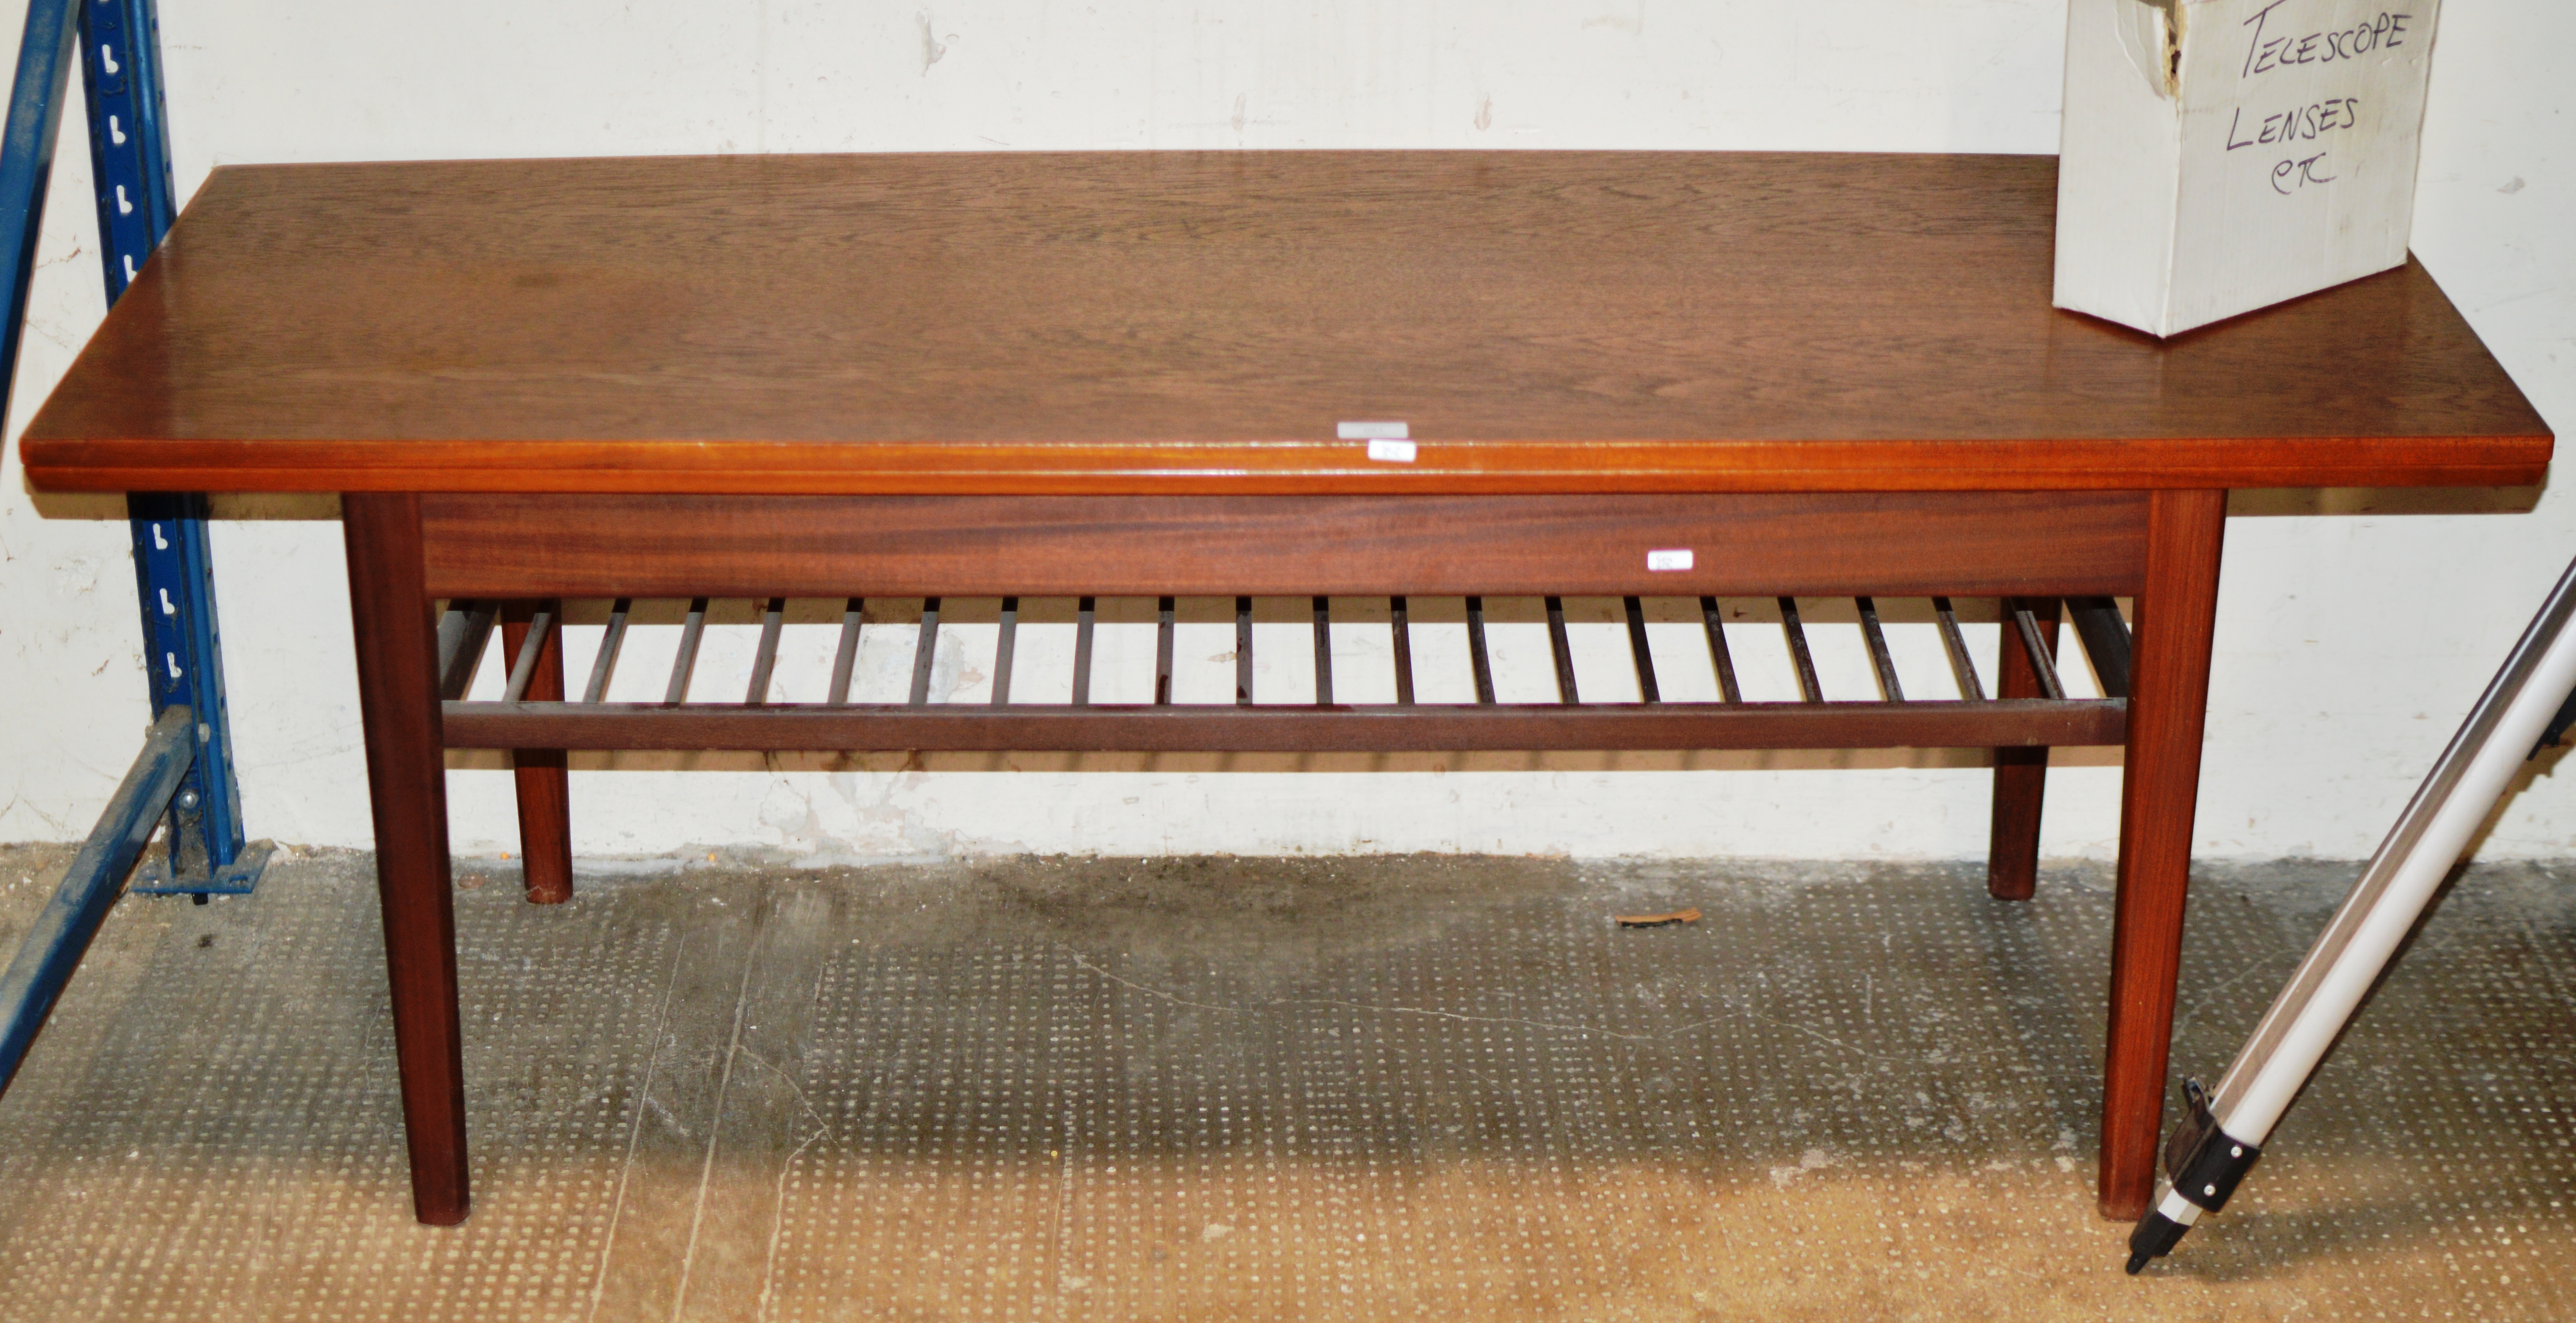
point(1981, 544)
point(2003, 723)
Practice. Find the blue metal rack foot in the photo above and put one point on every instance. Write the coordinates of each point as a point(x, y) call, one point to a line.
point(238, 878)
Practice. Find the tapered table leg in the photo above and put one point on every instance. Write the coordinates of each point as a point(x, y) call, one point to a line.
point(2021, 774)
point(544, 785)
point(407, 788)
point(2169, 696)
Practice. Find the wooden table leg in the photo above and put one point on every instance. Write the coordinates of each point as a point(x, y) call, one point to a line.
point(2169, 696)
point(407, 788)
point(544, 786)
point(2021, 774)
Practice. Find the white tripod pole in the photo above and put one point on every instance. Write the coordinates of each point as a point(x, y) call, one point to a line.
point(2212, 1148)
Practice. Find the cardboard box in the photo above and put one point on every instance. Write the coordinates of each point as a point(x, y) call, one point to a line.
point(2222, 155)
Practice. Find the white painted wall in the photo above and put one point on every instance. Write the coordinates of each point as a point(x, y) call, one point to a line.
point(2350, 641)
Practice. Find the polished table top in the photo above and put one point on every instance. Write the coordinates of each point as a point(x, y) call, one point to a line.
point(1202, 321)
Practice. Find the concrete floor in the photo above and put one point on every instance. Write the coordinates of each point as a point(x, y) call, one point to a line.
point(1265, 1089)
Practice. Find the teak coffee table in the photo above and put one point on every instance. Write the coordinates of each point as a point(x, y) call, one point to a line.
point(1673, 375)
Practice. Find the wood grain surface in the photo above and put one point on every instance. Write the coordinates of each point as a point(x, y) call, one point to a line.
point(1200, 322)
point(2176, 616)
point(407, 789)
point(1358, 728)
point(1891, 543)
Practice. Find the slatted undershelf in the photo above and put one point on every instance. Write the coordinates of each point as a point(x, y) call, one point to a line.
point(1891, 720)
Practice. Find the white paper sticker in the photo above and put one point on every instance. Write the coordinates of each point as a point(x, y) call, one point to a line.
point(1372, 431)
point(1669, 558)
point(1395, 452)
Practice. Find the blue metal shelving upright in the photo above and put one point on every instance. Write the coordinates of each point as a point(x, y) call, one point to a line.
point(129, 150)
point(184, 776)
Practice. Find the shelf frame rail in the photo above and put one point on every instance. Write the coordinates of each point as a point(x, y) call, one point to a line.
point(765, 721)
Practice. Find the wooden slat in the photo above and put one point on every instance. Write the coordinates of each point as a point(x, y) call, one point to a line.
point(1005, 646)
point(464, 631)
point(1324, 650)
point(1804, 662)
point(1963, 669)
point(2037, 647)
point(764, 661)
point(1135, 321)
point(1163, 611)
point(2106, 641)
point(684, 664)
point(1880, 662)
point(1480, 657)
point(1641, 655)
point(603, 664)
point(1400, 634)
point(1561, 651)
point(1227, 727)
point(1719, 658)
point(925, 650)
point(845, 658)
point(1911, 544)
point(1243, 650)
point(1084, 616)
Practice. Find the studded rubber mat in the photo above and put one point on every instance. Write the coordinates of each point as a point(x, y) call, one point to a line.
point(1263, 1089)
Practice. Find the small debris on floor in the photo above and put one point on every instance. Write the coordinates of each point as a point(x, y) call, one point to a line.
point(1664, 920)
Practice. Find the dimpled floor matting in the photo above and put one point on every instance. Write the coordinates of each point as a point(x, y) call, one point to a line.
point(1262, 1089)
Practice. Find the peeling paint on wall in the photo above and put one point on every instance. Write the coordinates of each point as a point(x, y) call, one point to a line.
point(932, 48)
